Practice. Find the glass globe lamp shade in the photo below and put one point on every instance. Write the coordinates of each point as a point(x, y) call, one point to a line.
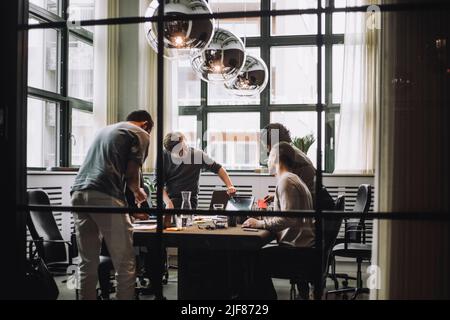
point(182, 38)
point(223, 58)
point(252, 79)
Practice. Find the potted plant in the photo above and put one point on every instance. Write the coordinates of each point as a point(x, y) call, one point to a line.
point(304, 143)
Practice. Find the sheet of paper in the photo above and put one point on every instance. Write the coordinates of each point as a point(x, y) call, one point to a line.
point(144, 226)
point(145, 221)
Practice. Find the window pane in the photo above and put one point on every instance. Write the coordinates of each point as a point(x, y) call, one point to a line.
point(50, 5)
point(188, 126)
point(81, 69)
point(82, 134)
point(249, 27)
point(294, 25)
point(42, 133)
point(188, 84)
point(293, 75)
point(82, 10)
point(339, 22)
point(338, 69)
point(43, 58)
point(340, 3)
point(293, 4)
point(217, 95)
point(301, 124)
point(233, 139)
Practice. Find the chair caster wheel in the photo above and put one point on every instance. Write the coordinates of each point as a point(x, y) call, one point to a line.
point(345, 284)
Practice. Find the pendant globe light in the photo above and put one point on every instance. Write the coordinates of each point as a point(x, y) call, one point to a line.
point(222, 60)
point(182, 38)
point(252, 79)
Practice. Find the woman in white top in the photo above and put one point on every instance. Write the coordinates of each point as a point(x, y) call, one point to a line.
point(291, 194)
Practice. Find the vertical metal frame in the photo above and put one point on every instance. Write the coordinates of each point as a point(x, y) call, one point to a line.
point(318, 196)
point(13, 124)
point(160, 137)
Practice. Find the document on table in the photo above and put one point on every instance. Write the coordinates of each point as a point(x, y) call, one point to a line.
point(144, 226)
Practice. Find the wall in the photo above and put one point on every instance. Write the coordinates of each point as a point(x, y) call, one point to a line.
point(128, 60)
point(414, 256)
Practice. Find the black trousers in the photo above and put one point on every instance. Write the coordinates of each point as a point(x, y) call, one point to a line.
point(284, 262)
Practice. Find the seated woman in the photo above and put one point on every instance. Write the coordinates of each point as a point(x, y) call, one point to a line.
point(291, 194)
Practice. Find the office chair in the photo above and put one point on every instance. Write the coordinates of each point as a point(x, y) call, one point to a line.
point(306, 264)
point(339, 206)
point(354, 244)
point(57, 253)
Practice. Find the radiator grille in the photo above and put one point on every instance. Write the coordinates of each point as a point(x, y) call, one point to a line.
point(350, 198)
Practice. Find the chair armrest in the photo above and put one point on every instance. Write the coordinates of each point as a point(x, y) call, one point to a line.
point(73, 252)
point(356, 231)
point(39, 244)
point(52, 241)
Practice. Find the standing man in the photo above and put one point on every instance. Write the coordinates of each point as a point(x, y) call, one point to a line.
point(112, 164)
point(182, 168)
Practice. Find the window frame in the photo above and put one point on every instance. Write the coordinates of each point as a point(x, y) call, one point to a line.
point(265, 42)
point(66, 102)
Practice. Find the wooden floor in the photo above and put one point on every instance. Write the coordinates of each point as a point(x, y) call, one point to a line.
point(282, 286)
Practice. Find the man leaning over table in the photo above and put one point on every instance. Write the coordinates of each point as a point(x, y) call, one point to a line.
point(113, 163)
point(182, 168)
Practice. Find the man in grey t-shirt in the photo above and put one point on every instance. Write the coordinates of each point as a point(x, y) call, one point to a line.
point(112, 164)
point(182, 168)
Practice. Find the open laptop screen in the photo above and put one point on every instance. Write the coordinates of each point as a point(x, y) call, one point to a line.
point(243, 203)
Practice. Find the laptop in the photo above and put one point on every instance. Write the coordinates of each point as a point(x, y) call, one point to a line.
point(240, 203)
point(219, 197)
point(234, 203)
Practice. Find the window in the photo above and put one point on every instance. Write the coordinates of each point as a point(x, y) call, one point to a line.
point(293, 75)
point(289, 46)
point(83, 10)
point(338, 69)
point(188, 84)
point(81, 69)
point(49, 5)
point(233, 139)
point(60, 85)
point(82, 134)
point(250, 27)
point(42, 133)
point(188, 125)
point(43, 52)
point(293, 25)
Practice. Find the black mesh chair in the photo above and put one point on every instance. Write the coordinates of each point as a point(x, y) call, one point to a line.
point(354, 244)
point(57, 253)
point(339, 206)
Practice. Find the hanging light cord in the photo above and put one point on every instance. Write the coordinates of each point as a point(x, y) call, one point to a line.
point(245, 24)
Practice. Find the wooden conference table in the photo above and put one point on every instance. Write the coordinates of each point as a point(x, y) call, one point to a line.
point(212, 264)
